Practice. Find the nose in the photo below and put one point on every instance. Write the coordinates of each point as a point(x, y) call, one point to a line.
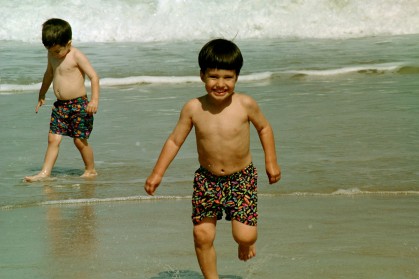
point(220, 82)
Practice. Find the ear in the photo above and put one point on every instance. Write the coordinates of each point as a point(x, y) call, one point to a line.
point(69, 43)
point(202, 75)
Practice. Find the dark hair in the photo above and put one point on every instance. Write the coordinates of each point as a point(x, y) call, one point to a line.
point(220, 54)
point(56, 31)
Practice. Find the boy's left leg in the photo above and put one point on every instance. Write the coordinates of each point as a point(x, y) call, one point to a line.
point(86, 153)
point(246, 237)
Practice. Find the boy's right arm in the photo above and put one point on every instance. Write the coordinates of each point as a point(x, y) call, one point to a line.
point(168, 153)
point(169, 150)
point(46, 82)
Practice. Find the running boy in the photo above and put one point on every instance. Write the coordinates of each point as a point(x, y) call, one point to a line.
point(72, 113)
point(226, 179)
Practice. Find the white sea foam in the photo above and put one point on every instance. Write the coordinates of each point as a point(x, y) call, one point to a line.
point(167, 20)
point(263, 76)
point(147, 79)
point(377, 68)
point(355, 192)
point(129, 81)
point(113, 199)
point(19, 87)
point(77, 202)
point(139, 80)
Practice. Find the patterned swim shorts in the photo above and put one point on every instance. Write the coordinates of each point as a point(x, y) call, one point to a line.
point(69, 118)
point(236, 194)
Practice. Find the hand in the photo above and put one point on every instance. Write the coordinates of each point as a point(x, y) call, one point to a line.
point(274, 172)
point(92, 107)
point(40, 104)
point(151, 184)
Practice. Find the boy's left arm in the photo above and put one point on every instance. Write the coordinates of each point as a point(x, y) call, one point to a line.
point(88, 69)
point(268, 143)
point(267, 140)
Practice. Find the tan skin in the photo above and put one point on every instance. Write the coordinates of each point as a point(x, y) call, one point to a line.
point(66, 69)
point(222, 129)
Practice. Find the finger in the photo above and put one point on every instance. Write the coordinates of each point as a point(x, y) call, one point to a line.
point(274, 179)
point(91, 111)
point(148, 189)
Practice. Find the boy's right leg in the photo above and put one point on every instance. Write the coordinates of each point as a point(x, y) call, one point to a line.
point(204, 236)
point(51, 156)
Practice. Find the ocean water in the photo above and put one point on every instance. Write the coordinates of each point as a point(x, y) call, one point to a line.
point(338, 81)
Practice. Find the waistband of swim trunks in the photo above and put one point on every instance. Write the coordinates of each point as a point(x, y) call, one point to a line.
point(73, 101)
point(247, 169)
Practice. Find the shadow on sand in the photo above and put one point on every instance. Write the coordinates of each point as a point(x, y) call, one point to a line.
point(188, 274)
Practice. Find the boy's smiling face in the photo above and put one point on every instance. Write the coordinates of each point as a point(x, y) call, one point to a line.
point(219, 83)
point(58, 51)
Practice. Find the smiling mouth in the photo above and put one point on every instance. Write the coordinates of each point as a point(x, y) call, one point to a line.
point(220, 94)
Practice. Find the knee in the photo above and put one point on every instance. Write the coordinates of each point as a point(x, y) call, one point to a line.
point(80, 143)
point(245, 235)
point(245, 240)
point(203, 236)
point(54, 140)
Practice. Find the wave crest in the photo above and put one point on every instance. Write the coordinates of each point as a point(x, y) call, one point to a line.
point(168, 20)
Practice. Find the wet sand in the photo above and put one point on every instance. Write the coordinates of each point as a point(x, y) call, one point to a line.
point(299, 237)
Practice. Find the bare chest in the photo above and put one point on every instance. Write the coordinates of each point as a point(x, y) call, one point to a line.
point(224, 125)
point(66, 67)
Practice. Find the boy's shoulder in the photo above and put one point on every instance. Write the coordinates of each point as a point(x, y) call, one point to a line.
point(244, 99)
point(76, 51)
point(194, 101)
point(192, 105)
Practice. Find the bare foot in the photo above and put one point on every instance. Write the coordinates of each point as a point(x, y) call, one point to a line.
point(40, 176)
point(89, 174)
point(247, 252)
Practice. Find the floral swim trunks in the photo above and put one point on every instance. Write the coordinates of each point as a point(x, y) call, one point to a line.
point(69, 118)
point(236, 194)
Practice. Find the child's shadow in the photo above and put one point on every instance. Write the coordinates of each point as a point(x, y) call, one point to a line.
point(188, 274)
point(65, 172)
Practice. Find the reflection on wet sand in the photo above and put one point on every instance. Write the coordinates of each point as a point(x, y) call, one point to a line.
point(71, 232)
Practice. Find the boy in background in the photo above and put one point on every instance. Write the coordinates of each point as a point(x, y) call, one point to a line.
point(72, 113)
